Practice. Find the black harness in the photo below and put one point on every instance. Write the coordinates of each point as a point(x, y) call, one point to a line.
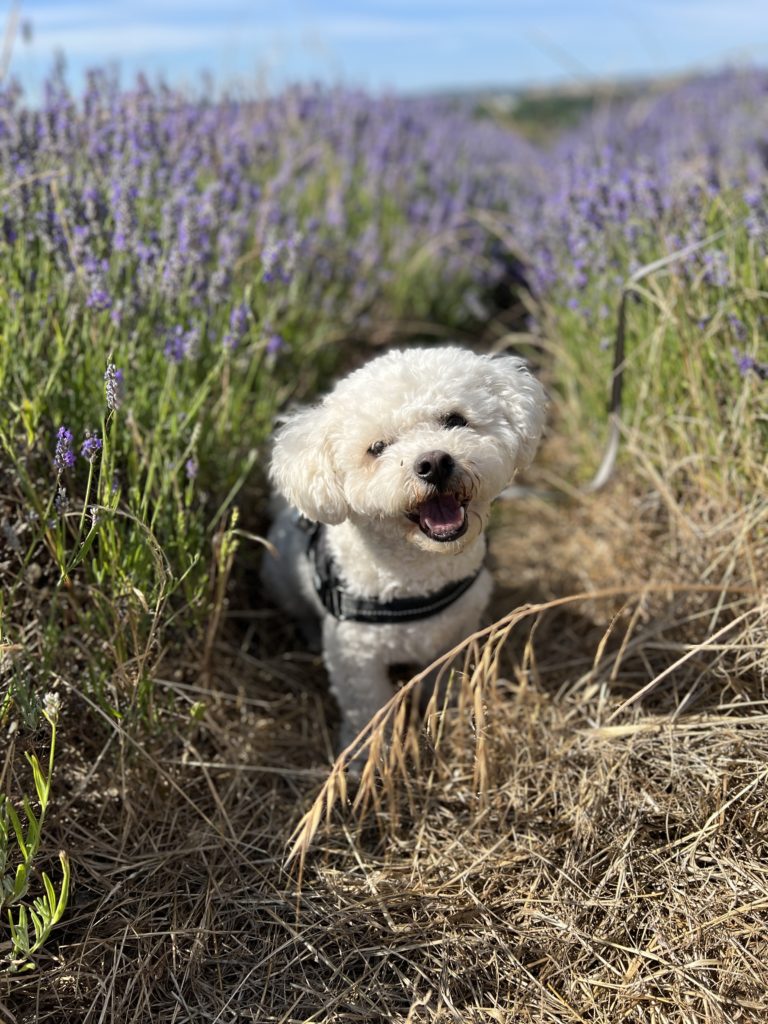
point(332, 592)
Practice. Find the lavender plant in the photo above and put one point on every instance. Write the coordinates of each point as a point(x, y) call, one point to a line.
point(194, 255)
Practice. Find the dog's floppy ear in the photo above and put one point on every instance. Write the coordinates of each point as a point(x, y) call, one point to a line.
point(303, 469)
point(523, 400)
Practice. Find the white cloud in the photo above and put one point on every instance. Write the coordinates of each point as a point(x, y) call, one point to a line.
point(115, 40)
point(100, 31)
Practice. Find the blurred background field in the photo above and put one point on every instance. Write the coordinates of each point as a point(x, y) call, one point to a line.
point(582, 836)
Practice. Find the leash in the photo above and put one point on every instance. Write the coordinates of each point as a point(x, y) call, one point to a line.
point(610, 452)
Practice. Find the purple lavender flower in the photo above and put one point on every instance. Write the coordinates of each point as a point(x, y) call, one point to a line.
point(91, 446)
point(190, 468)
point(113, 386)
point(64, 457)
point(737, 325)
point(744, 363)
point(278, 258)
point(748, 364)
point(270, 257)
point(98, 298)
point(180, 344)
point(275, 342)
point(238, 326)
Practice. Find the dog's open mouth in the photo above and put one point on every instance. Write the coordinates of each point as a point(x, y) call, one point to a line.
point(442, 517)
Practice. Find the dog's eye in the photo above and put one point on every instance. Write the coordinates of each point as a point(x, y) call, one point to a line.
point(377, 448)
point(454, 419)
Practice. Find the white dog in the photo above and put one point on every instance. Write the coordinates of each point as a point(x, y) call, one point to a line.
point(390, 480)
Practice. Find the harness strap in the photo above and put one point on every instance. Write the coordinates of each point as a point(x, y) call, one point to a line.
point(342, 605)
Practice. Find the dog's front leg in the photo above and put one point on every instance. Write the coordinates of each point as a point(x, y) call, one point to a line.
point(359, 679)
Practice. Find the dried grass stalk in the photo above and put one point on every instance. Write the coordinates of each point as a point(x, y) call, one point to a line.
point(385, 747)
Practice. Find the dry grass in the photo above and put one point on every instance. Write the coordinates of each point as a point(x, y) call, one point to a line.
point(563, 852)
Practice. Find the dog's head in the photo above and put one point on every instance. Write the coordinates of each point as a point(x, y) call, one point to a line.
point(419, 442)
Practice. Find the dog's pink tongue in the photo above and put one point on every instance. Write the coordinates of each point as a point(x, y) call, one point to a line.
point(441, 514)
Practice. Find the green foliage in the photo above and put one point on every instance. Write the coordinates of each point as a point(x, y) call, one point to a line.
point(698, 417)
point(30, 922)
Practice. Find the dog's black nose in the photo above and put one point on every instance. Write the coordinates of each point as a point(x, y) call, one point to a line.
point(434, 468)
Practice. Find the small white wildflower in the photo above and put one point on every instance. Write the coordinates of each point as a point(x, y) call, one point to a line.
point(61, 501)
point(51, 706)
point(113, 387)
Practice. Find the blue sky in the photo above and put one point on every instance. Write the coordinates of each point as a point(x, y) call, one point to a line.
point(416, 45)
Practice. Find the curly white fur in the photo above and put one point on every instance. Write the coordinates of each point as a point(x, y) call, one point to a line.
point(401, 461)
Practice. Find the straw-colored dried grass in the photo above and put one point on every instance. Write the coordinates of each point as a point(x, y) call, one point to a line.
point(545, 849)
